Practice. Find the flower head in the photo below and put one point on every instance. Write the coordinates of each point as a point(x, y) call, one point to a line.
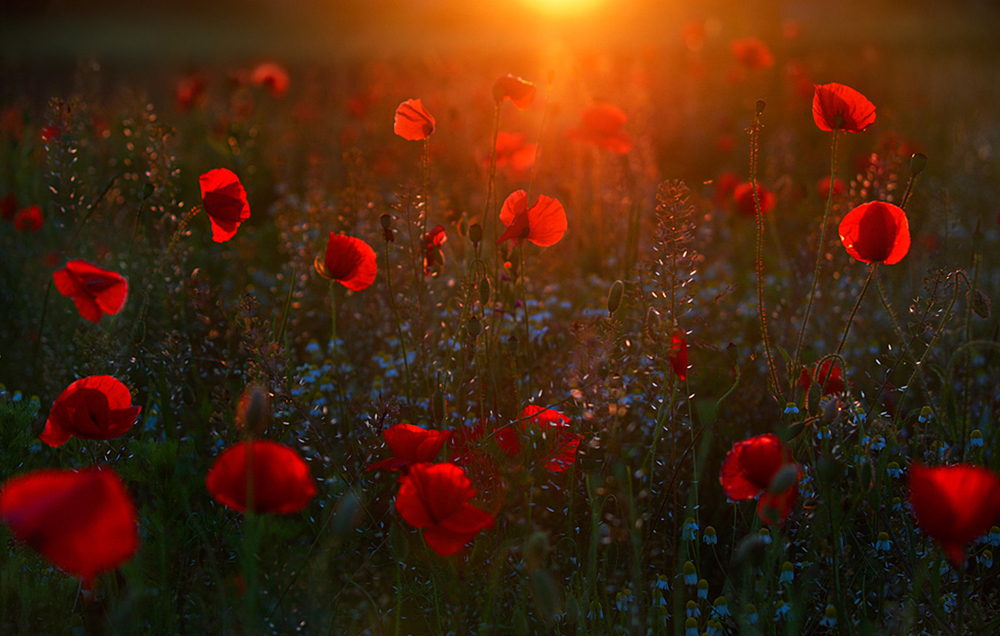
point(412, 121)
point(601, 125)
point(830, 381)
point(190, 91)
point(83, 521)
point(544, 223)
point(560, 444)
point(433, 255)
point(349, 261)
point(271, 76)
point(512, 151)
point(280, 482)
point(98, 407)
point(225, 201)
point(29, 219)
point(94, 291)
point(839, 107)
point(518, 91)
point(435, 497)
point(749, 470)
point(954, 504)
point(410, 445)
point(876, 232)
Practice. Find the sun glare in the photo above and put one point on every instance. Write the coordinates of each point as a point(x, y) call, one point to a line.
point(563, 7)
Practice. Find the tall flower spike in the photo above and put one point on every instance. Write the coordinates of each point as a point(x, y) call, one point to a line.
point(94, 291)
point(839, 107)
point(876, 232)
point(225, 201)
point(83, 521)
point(412, 121)
point(98, 407)
point(954, 504)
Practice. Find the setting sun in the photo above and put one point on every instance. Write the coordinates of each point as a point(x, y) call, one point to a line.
point(562, 7)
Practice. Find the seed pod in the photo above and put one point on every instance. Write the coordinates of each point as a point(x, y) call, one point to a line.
point(476, 233)
point(615, 297)
point(981, 304)
point(147, 190)
point(474, 327)
point(917, 163)
point(653, 324)
point(759, 106)
point(484, 290)
point(385, 221)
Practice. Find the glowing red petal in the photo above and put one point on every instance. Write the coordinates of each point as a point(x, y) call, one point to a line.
point(98, 407)
point(434, 497)
point(836, 106)
point(94, 291)
point(281, 483)
point(350, 261)
point(225, 201)
point(876, 232)
point(517, 90)
point(751, 464)
point(84, 521)
point(679, 355)
point(412, 121)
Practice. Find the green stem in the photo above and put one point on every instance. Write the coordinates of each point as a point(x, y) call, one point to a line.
point(819, 258)
point(524, 302)
point(850, 319)
point(395, 315)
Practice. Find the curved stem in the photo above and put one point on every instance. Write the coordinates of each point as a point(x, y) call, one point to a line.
point(850, 319)
point(395, 315)
point(819, 256)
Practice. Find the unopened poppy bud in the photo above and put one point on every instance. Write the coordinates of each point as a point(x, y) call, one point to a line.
point(981, 304)
point(385, 221)
point(831, 412)
point(786, 477)
point(917, 163)
point(759, 106)
point(147, 190)
point(484, 290)
point(253, 410)
point(652, 324)
point(474, 327)
point(536, 548)
point(615, 297)
point(475, 233)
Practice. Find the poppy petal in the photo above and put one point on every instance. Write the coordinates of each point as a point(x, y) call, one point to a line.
point(96, 408)
point(751, 464)
point(94, 291)
point(546, 221)
point(84, 521)
point(412, 121)
point(225, 201)
point(350, 261)
point(281, 482)
point(876, 232)
point(840, 107)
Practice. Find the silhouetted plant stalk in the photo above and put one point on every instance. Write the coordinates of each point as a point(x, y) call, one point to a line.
point(819, 259)
point(147, 191)
point(854, 311)
point(490, 188)
point(755, 127)
point(386, 222)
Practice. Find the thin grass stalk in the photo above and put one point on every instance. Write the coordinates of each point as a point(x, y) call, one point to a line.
point(761, 312)
point(819, 258)
point(395, 316)
point(854, 311)
point(490, 187)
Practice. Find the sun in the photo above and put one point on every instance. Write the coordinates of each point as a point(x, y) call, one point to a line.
point(563, 7)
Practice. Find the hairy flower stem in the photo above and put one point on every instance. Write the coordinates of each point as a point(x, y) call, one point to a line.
point(850, 318)
point(527, 317)
point(490, 185)
point(135, 228)
point(761, 312)
point(819, 259)
point(395, 315)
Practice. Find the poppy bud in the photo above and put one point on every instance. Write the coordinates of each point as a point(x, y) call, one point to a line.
point(831, 412)
point(652, 324)
point(759, 106)
point(484, 290)
point(615, 297)
point(476, 233)
point(981, 304)
point(147, 190)
point(386, 222)
point(786, 477)
point(535, 550)
point(253, 410)
point(917, 163)
point(474, 327)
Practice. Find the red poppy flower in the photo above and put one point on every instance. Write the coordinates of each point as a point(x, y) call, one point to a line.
point(823, 187)
point(435, 497)
point(748, 470)
point(84, 521)
point(29, 219)
point(410, 445)
point(725, 185)
point(8, 207)
point(518, 91)
point(544, 223)
point(560, 446)
point(954, 504)
point(280, 484)
point(433, 241)
point(190, 92)
point(839, 107)
point(271, 76)
point(412, 121)
point(95, 291)
point(743, 197)
point(512, 151)
point(876, 232)
point(225, 200)
point(752, 53)
point(679, 354)
point(349, 261)
point(97, 407)
point(601, 125)
point(834, 383)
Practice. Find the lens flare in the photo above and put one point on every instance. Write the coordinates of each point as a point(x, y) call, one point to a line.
point(563, 8)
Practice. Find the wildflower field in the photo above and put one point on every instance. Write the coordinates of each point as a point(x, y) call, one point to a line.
point(686, 335)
